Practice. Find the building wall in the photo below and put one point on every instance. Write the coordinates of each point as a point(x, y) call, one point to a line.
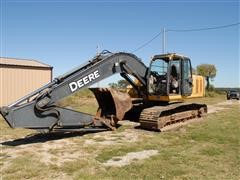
point(18, 81)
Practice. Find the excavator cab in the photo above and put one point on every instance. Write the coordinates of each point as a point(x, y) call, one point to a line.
point(169, 76)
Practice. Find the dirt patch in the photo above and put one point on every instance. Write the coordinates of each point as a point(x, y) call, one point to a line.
point(228, 102)
point(128, 123)
point(117, 138)
point(59, 151)
point(221, 106)
point(119, 161)
point(54, 152)
point(215, 108)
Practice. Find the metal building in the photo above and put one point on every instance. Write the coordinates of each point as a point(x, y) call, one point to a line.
point(18, 77)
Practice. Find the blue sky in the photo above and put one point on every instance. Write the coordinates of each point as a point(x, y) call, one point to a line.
point(65, 34)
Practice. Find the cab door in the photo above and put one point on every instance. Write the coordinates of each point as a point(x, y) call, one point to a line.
point(186, 77)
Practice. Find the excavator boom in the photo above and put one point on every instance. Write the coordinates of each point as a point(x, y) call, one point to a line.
point(39, 111)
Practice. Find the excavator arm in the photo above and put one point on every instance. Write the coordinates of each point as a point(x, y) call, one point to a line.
point(39, 111)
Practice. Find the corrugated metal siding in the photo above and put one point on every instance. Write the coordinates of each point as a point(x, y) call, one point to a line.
point(17, 82)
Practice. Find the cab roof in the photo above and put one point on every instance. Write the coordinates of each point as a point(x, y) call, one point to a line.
point(170, 56)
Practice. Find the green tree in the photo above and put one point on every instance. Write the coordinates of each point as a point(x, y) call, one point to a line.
point(121, 84)
point(113, 85)
point(209, 71)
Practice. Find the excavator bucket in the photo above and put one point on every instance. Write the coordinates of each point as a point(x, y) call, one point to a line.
point(112, 103)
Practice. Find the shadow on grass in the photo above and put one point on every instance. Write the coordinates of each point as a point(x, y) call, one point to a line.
point(42, 138)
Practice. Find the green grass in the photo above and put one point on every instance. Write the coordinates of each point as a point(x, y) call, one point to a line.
point(208, 100)
point(8, 133)
point(83, 101)
point(24, 167)
point(209, 149)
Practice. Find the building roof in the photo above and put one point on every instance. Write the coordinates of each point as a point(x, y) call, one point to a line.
point(22, 62)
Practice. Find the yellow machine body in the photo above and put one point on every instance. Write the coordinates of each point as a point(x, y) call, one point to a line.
point(198, 90)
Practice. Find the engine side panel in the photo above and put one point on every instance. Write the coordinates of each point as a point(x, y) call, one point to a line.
point(198, 89)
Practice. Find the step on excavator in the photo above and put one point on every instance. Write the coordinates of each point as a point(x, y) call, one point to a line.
point(155, 96)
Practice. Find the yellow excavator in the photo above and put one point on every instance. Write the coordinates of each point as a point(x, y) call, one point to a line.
point(155, 97)
point(170, 82)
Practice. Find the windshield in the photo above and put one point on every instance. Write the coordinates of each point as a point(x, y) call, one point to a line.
point(159, 67)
